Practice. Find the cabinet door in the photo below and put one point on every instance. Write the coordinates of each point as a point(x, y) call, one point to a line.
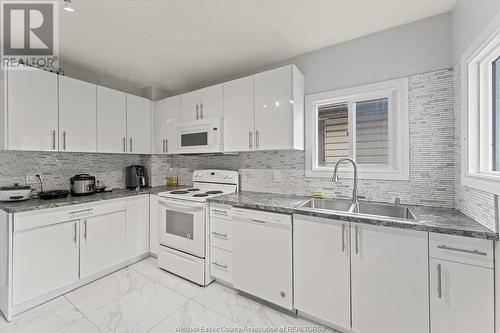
point(211, 102)
point(239, 115)
point(167, 114)
point(138, 124)
point(77, 115)
point(462, 297)
point(153, 223)
point(32, 110)
point(322, 269)
point(273, 110)
point(389, 276)
point(102, 242)
point(44, 259)
point(190, 106)
point(137, 226)
point(111, 121)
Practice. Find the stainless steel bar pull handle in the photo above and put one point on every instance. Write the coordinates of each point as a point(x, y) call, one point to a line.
point(219, 211)
point(343, 237)
point(257, 139)
point(201, 110)
point(449, 248)
point(250, 139)
point(219, 235)
point(85, 229)
point(439, 288)
point(64, 140)
point(215, 263)
point(130, 144)
point(74, 232)
point(54, 140)
point(166, 145)
point(356, 239)
point(197, 110)
point(163, 145)
point(124, 145)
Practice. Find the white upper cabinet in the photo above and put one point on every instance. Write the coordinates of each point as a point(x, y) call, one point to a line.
point(111, 121)
point(202, 104)
point(166, 116)
point(389, 280)
point(279, 109)
point(32, 110)
point(239, 115)
point(77, 115)
point(138, 125)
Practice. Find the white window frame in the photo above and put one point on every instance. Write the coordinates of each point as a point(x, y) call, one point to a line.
point(477, 111)
point(398, 118)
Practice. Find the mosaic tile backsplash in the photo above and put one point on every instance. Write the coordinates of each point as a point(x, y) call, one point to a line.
point(57, 168)
point(477, 204)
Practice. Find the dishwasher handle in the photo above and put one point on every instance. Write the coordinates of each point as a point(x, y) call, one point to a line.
point(270, 221)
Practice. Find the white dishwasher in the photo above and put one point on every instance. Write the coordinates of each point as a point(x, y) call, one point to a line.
point(262, 255)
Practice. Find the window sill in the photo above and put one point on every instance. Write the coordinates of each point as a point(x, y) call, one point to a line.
point(362, 174)
point(482, 182)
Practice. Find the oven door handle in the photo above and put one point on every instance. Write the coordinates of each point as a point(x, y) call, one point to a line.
point(181, 207)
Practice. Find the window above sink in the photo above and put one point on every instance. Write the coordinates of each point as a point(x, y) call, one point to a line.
point(368, 123)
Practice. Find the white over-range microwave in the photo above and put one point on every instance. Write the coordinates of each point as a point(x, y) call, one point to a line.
point(201, 136)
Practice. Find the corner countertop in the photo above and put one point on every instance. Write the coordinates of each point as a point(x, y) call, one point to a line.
point(439, 220)
point(36, 204)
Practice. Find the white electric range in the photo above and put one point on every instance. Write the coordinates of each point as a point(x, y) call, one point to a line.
point(183, 224)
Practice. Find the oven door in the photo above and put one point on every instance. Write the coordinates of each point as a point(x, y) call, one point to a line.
point(182, 226)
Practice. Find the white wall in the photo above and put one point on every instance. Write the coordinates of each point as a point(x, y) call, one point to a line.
point(468, 19)
point(417, 47)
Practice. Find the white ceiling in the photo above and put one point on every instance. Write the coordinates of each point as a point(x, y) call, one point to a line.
point(176, 44)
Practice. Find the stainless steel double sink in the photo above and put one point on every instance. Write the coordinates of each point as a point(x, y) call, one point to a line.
point(363, 207)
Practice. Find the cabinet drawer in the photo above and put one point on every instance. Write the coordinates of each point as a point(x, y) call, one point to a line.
point(467, 250)
point(221, 264)
point(38, 218)
point(192, 268)
point(221, 234)
point(220, 211)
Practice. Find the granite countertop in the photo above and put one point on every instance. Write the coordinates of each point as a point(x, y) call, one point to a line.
point(440, 220)
point(36, 204)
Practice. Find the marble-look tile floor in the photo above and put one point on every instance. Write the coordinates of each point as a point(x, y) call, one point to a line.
point(143, 298)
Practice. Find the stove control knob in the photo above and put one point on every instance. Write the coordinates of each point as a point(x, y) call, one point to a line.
point(225, 177)
point(230, 177)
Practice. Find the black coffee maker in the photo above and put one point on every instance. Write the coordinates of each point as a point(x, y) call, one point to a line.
point(135, 176)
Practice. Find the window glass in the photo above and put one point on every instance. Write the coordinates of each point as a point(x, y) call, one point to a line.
point(372, 131)
point(333, 133)
point(496, 115)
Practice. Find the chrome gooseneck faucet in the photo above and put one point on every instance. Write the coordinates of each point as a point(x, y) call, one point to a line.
point(355, 186)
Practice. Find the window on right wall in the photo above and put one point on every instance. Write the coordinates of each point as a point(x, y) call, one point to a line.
point(481, 113)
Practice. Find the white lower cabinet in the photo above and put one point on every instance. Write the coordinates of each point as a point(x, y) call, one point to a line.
point(322, 269)
point(461, 284)
point(389, 278)
point(462, 298)
point(361, 278)
point(44, 259)
point(102, 243)
point(221, 243)
point(137, 226)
